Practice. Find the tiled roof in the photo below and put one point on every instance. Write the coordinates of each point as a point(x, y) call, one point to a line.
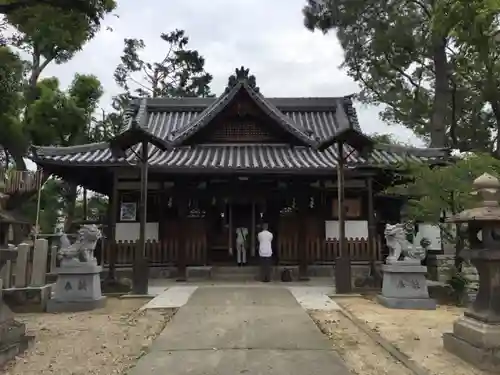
point(312, 120)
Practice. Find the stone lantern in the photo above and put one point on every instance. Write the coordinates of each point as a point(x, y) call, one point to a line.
point(476, 335)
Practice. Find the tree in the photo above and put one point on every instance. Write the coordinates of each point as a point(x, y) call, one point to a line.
point(406, 55)
point(91, 9)
point(48, 35)
point(11, 73)
point(180, 73)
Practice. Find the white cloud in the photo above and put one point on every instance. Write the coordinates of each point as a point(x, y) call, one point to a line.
point(266, 36)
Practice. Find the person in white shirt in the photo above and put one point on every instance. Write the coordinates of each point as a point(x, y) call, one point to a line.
point(241, 243)
point(265, 238)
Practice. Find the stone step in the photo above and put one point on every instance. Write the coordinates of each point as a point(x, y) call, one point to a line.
point(234, 277)
point(246, 270)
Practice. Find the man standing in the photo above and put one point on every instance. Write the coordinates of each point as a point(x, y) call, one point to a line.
point(265, 252)
point(241, 243)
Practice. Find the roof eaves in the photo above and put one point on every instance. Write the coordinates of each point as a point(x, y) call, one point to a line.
point(444, 153)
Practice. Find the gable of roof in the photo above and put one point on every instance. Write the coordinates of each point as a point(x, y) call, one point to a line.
point(224, 101)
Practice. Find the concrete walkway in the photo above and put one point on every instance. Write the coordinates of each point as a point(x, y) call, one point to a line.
point(231, 330)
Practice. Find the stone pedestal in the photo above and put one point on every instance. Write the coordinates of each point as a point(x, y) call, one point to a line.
point(404, 286)
point(78, 288)
point(13, 338)
point(475, 342)
point(476, 335)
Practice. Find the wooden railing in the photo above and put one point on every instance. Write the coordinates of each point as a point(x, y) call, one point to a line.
point(164, 253)
point(157, 252)
point(326, 251)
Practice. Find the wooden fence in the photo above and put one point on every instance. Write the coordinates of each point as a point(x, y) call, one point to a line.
point(158, 252)
point(162, 253)
point(326, 251)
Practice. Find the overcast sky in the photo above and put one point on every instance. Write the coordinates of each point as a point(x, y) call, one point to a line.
point(266, 36)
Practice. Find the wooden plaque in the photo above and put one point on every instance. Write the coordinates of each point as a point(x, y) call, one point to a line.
point(352, 208)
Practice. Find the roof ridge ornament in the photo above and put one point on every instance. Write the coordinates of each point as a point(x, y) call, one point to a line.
point(242, 75)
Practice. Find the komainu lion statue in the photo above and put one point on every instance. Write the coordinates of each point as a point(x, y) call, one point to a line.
point(395, 236)
point(82, 249)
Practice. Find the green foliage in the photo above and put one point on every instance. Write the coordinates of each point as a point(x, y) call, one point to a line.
point(97, 206)
point(56, 34)
point(458, 283)
point(386, 139)
point(11, 73)
point(180, 73)
point(49, 31)
point(63, 118)
point(90, 9)
point(51, 205)
point(432, 190)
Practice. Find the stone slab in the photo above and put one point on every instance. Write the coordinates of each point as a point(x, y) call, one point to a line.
point(234, 327)
point(56, 306)
point(241, 361)
point(173, 297)
point(28, 299)
point(312, 298)
point(407, 303)
point(241, 330)
point(235, 295)
point(483, 359)
point(39, 269)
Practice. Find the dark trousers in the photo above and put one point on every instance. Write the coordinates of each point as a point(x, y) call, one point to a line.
point(265, 269)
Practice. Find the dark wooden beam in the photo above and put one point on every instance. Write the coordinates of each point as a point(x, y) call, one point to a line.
point(112, 219)
point(343, 283)
point(372, 225)
point(302, 200)
point(182, 208)
point(141, 263)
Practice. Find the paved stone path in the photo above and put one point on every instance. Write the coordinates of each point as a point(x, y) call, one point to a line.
point(233, 330)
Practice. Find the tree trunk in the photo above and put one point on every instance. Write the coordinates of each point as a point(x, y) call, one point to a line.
point(441, 94)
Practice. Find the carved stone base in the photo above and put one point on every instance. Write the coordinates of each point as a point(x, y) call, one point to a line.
point(78, 288)
point(407, 303)
point(475, 342)
point(405, 286)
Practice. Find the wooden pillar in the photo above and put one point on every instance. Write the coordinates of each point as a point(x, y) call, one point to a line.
point(85, 208)
point(182, 209)
point(253, 232)
point(141, 263)
point(230, 232)
point(343, 283)
point(111, 230)
point(302, 201)
point(371, 218)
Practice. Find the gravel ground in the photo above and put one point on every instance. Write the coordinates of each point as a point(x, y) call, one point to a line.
point(416, 333)
point(361, 354)
point(105, 342)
